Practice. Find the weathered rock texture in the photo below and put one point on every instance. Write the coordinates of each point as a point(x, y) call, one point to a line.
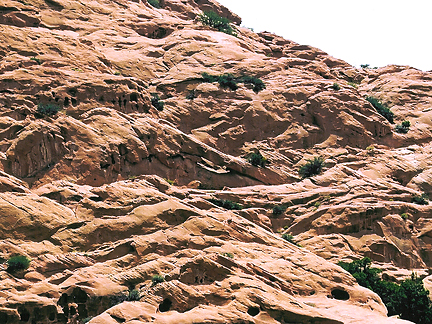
point(86, 193)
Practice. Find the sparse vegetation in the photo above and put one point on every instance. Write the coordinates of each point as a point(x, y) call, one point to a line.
point(382, 109)
point(288, 237)
point(171, 182)
point(48, 109)
point(222, 24)
point(312, 167)
point(404, 127)
point(230, 81)
point(227, 204)
point(154, 3)
point(17, 263)
point(191, 95)
point(38, 61)
point(256, 159)
point(364, 66)
point(353, 84)
point(421, 200)
point(336, 86)
point(157, 279)
point(157, 102)
point(278, 210)
point(410, 300)
point(228, 255)
point(404, 216)
point(134, 295)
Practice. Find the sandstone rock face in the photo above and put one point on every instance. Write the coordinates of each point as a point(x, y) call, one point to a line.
point(115, 198)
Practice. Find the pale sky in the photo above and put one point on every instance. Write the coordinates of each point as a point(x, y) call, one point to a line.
point(375, 32)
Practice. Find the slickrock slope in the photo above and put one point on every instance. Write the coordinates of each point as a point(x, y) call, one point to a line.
point(86, 193)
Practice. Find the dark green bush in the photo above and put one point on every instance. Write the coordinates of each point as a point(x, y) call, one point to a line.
point(257, 83)
point(421, 200)
point(404, 127)
point(229, 81)
point(154, 3)
point(212, 19)
point(278, 210)
point(157, 279)
point(312, 167)
point(381, 109)
point(410, 300)
point(227, 204)
point(256, 159)
point(133, 295)
point(48, 109)
point(336, 86)
point(288, 237)
point(17, 263)
point(157, 102)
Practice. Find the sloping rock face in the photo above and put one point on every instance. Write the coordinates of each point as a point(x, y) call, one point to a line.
point(87, 192)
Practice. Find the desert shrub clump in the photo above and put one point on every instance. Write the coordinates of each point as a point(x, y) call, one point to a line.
point(421, 200)
point(336, 86)
point(410, 300)
point(230, 81)
point(154, 3)
point(225, 203)
point(157, 102)
point(157, 279)
point(48, 109)
point(278, 210)
point(17, 263)
point(222, 24)
point(404, 127)
point(312, 167)
point(256, 159)
point(382, 109)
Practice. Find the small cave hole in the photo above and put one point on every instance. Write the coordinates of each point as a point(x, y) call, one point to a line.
point(253, 311)
point(340, 294)
point(72, 310)
point(24, 314)
point(133, 97)
point(165, 305)
point(74, 101)
point(66, 101)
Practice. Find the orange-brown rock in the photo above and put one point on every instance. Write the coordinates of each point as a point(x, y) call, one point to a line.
point(110, 191)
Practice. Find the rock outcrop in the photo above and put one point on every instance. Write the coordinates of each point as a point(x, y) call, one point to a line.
point(114, 196)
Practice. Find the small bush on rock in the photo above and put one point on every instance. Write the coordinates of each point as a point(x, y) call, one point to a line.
point(157, 279)
point(421, 200)
point(212, 19)
point(154, 3)
point(157, 102)
point(256, 159)
point(381, 109)
point(404, 127)
point(17, 263)
point(48, 109)
point(336, 86)
point(227, 204)
point(278, 210)
point(229, 81)
point(312, 167)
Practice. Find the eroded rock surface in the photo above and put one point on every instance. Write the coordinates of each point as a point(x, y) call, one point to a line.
point(87, 193)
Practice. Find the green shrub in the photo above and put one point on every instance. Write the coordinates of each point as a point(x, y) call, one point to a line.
point(256, 159)
point(257, 83)
point(48, 109)
point(157, 279)
point(364, 66)
point(134, 295)
point(381, 109)
point(157, 102)
point(229, 81)
point(404, 127)
point(154, 3)
point(228, 255)
point(288, 237)
point(404, 216)
point(212, 19)
point(421, 200)
point(227, 204)
point(38, 61)
point(278, 210)
point(312, 167)
point(336, 86)
point(410, 300)
point(17, 263)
